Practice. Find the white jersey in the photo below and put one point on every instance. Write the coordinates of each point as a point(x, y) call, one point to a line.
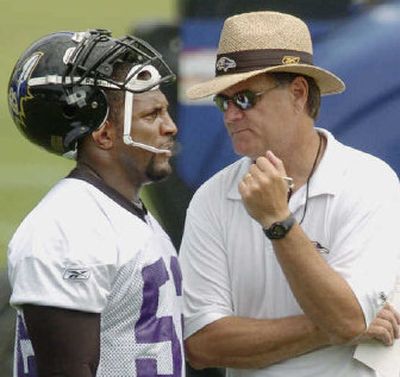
point(230, 268)
point(85, 247)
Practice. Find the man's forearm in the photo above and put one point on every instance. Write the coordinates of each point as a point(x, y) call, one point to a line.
point(323, 294)
point(238, 342)
point(66, 342)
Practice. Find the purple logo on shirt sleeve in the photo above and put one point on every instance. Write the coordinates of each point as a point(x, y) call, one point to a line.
point(24, 356)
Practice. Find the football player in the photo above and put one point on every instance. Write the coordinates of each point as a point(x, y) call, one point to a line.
point(95, 280)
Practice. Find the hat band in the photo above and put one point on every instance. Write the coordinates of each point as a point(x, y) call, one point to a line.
point(251, 60)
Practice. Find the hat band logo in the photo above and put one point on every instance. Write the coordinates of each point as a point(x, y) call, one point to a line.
point(252, 60)
point(224, 64)
point(290, 59)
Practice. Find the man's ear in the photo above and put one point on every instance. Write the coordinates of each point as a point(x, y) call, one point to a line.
point(104, 137)
point(299, 89)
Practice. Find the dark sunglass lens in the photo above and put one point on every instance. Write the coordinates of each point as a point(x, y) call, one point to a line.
point(244, 100)
point(221, 102)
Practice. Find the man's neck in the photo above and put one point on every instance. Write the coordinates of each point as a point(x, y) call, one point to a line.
point(113, 179)
point(301, 159)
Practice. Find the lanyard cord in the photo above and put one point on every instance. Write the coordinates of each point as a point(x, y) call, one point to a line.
point(309, 178)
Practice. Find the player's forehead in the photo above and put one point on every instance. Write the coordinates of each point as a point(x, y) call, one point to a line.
point(150, 99)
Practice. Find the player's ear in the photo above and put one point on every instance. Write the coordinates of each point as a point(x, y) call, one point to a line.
point(104, 136)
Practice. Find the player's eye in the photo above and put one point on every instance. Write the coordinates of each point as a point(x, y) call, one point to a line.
point(153, 115)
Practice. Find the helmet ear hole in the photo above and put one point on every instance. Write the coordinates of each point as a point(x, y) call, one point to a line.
point(69, 112)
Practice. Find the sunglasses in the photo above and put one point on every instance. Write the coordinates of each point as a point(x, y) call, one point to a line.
point(243, 100)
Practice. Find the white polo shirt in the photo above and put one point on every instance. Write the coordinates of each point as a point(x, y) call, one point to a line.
point(230, 269)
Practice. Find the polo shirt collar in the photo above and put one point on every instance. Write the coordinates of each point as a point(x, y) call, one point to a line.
point(329, 174)
point(325, 180)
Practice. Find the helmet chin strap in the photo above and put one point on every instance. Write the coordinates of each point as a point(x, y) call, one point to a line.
point(136, 83)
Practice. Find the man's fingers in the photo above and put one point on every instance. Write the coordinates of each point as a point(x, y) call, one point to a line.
point(385, 327)
point(264, 165)
point(243, 189)
point(271, 167)
point(390, 314)
point(380, 329)
point(276, 162)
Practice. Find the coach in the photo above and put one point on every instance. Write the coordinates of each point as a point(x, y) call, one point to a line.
point(289, 254)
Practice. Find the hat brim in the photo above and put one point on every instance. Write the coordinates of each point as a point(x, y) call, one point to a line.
point(326, 81)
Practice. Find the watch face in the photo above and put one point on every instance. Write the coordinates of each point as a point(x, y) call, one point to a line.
point(278, 231)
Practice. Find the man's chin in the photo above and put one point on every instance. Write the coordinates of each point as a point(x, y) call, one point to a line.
point(245, 150)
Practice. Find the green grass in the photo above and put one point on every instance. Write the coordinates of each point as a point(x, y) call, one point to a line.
point(26, 171)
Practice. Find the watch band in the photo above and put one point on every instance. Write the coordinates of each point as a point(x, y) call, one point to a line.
point(279, 229)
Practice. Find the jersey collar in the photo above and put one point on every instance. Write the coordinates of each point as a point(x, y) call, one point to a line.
point(82, 174)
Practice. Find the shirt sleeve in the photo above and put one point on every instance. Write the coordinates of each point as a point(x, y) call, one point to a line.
point(60, 265)
point(365, 247)
point(203, 260)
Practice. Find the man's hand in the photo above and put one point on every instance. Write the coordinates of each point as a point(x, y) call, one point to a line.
point(385, 327)
point(264, 191)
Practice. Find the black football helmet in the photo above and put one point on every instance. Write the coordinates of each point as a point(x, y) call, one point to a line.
point(56, 90)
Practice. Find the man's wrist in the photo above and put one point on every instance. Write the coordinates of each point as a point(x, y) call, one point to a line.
point(279, 229)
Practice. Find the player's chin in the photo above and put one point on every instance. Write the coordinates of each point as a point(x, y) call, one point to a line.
point(158, 171)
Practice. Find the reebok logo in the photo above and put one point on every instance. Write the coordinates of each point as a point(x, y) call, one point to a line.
point(76, 274)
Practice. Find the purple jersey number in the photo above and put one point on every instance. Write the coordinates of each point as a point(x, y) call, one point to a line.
point(149, 328)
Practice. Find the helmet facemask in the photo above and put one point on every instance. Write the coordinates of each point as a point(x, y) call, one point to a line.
point(74, 90)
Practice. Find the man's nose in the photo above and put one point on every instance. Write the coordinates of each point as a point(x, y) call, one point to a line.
point(232, 113)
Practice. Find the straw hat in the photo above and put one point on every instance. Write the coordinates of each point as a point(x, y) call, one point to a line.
point(257, 42)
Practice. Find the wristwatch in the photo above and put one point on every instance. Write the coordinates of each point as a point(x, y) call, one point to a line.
point(279, 229)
